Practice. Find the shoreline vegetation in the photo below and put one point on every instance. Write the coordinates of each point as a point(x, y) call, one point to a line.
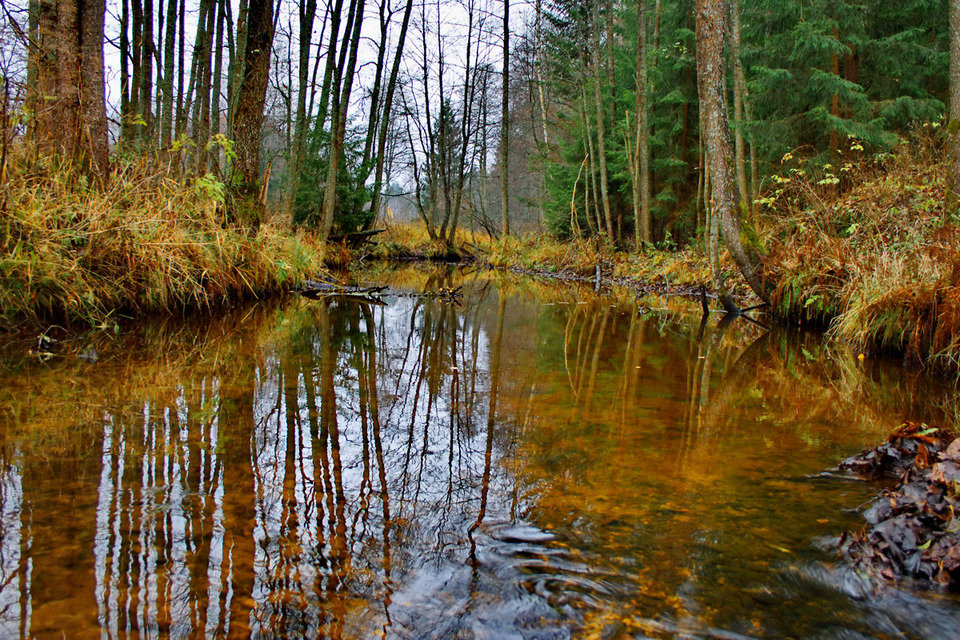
point(147, 243)
point(875, 263)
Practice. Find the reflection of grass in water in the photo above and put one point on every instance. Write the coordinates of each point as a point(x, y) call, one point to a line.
point(429, 277)
point(52, 408)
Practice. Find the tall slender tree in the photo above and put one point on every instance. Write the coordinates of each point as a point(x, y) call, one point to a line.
point(251, 96)
point(710, 29)
point(954, 125)
point(339, 129)
point(505, 126)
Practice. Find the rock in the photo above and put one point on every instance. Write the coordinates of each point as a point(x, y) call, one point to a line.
point(945, 472)
point(912, 529)
point(952, 452)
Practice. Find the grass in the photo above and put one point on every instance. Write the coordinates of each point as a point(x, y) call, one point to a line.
point(866, 248)
point(877, 262)
point(146, 243)
point(542, 254)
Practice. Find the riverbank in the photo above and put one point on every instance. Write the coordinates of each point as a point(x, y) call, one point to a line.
point(148, 243)
point(876, 262)
point(867, 250)
point(539, 255)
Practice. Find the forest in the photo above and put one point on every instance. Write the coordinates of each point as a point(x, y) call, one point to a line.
point(480, 318)
point(738, 137)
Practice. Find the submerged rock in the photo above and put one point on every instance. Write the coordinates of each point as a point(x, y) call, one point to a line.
point(913, 527)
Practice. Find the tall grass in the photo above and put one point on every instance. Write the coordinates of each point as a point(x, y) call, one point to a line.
point(145, 242)
point(542, 253)
point(878, 262)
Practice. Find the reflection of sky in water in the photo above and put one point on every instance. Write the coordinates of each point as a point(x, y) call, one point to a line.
point(15, 562)
point(352, 475)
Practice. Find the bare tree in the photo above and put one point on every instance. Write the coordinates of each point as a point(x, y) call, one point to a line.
point(339, 128)
point(505, 124)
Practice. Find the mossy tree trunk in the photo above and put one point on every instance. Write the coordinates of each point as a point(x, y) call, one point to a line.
point(67, 66)
point(710, 29)
point(953, 127)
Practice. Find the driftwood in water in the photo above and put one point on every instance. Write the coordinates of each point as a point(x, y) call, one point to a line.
point(315, 290)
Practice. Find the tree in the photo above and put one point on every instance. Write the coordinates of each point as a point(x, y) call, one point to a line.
point(710, 28)
point(505, 125)
point(954, 126)
point(339, 125)
point(307, 15)
point(387, 110)
point(69, 67)
point(248, 120)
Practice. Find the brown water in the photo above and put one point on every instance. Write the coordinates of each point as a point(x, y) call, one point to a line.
point(536, 462)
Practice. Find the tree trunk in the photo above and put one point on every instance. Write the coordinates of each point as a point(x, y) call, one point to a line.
point(203, 65)
point(601, 142)
point(387, 106)
point(592, 164)
point(237, 62)
point(739, 105)
point(251, 98)
point(166, 106)
point(124, 71)
point(340, 123)
point(146, 72)
point(215, 106)
point(136, 71)
point(93, 110)
point(68, 78)
point(505, 126)
point(331, 66)
point(69, 75)
point(642, 139)
point(307, 17)
point(181, 119)
point(710, 28)
point(954, 124)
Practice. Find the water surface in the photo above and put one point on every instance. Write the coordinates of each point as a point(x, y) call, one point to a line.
point(533, 462)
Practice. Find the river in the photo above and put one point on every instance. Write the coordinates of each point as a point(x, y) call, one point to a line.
point(531, 461)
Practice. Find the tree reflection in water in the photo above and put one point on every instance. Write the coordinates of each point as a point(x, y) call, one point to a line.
point(515, 467)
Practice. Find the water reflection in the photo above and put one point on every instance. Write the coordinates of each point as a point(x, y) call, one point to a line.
point(543, 464)
point(15, 563)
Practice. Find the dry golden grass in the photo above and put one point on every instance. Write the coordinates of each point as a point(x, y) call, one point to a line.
point(880, 262)
point(147, 242)
point(544, 254)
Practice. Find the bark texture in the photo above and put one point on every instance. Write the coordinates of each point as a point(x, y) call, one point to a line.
point(70, 117)
point(954, 126)
point(710, 28)
point(505, 125)
point(252, 93)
